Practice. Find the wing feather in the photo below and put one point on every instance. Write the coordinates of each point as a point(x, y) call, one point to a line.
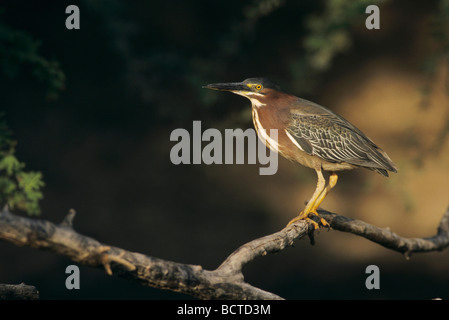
point(332, 138)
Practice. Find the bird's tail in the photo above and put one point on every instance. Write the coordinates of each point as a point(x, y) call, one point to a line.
point(383, 162)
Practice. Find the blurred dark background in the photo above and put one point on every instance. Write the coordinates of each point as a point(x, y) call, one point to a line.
point(93, 109)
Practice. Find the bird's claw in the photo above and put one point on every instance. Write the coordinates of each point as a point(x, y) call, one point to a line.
point(307, 217)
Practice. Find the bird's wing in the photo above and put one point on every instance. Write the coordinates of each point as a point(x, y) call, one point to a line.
point(334, 139)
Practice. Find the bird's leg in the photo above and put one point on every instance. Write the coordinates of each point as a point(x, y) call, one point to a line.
point(320, 187)
point(332, 182)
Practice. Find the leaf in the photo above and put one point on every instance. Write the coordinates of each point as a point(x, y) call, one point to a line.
point(10, 164)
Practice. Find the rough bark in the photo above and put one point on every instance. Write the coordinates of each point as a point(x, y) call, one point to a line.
point(18, 292)
point(225, 282)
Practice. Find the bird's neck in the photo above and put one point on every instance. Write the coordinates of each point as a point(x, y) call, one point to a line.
point(277, 100)
point(256, 99)
point(256, 103)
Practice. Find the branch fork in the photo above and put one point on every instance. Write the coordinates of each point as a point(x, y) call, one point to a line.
point(225, 282)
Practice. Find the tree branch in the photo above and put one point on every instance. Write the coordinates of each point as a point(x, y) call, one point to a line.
point(150, 271)
point(385, 237)
point(226, 282)
point(18, 292)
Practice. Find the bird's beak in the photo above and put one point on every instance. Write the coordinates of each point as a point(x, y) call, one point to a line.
point(231, 86)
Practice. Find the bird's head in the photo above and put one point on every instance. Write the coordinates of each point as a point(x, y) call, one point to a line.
point(258, 90)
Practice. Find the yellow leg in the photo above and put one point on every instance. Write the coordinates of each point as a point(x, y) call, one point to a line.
point(319, 189)
point(332, 182)
point(316, 200)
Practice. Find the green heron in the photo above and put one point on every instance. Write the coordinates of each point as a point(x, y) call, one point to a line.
point(309, 134)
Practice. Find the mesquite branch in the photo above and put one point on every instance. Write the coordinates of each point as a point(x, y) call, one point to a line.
point(225, 282)
point(18, 292)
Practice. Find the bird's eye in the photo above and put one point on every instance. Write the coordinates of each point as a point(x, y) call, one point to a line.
point(258, 87)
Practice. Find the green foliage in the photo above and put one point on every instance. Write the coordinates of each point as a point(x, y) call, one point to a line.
point(439, 52)
point(19, 189)
point(330, 32)
point(18, 51)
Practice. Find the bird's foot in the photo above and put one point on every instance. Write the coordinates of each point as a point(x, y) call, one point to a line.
point(323, 222)
point(297, 218)
point(307, 217)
